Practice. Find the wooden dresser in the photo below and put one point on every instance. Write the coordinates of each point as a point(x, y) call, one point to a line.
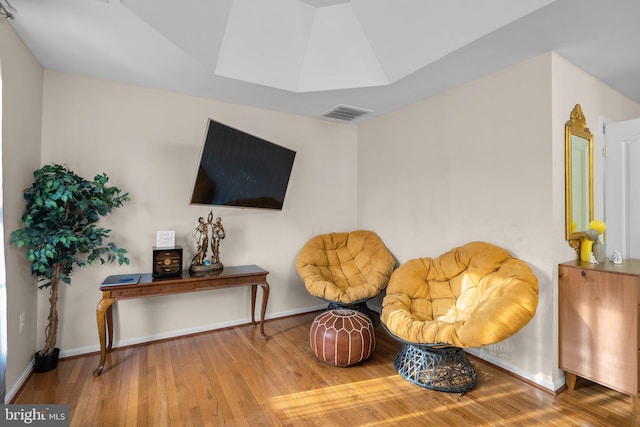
point(598, 324)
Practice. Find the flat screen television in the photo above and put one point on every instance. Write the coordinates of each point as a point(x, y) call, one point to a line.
point(239, 169)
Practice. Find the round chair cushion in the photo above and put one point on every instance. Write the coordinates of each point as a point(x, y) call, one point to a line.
point(471, 296)
point(342, 337)
point(345, 267)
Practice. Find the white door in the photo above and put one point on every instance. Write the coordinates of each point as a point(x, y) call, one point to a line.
point(622, 188)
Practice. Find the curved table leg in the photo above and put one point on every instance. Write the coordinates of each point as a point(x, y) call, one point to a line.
point(254, 289)
point(104, 312)
point(109, 316)
point(265, 299)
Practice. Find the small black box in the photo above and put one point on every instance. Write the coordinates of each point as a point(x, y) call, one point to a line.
point(167, 262)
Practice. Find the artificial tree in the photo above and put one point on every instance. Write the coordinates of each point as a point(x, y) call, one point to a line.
point(60, 231)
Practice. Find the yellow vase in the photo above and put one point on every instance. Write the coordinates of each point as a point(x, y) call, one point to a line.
point(585, 249)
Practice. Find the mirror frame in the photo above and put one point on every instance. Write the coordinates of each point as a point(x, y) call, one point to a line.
point(576, 126)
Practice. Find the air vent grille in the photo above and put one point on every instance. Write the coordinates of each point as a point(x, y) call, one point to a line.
point(345, 113)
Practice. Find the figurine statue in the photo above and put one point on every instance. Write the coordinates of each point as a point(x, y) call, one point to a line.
point(218, 234)
point(201, 236)
point(616, 258)
point(200, 263)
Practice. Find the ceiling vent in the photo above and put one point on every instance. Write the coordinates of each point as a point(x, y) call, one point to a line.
point(345, 113)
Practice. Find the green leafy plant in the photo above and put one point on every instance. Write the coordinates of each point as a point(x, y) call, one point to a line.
point(60, 231)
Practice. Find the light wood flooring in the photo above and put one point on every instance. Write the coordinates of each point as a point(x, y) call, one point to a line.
point(232, 377)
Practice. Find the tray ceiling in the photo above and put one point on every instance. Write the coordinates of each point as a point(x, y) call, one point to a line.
point(307, 56)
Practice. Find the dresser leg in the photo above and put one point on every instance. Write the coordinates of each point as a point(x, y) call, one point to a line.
point(571, 381)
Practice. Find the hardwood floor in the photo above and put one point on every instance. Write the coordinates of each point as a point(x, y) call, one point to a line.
point(232, 377)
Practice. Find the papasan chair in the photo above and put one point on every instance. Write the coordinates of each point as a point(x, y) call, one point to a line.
point(471, 296)
point(345, 269)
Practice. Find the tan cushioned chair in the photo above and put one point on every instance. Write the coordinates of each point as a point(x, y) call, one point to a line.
point(345, 268)
point(471, 296)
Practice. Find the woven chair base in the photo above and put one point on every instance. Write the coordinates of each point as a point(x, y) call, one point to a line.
point(436, 368)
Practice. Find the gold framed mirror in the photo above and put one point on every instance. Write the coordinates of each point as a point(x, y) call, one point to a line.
point(578, 177)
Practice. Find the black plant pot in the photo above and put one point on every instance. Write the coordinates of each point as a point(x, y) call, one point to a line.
point(46, 363)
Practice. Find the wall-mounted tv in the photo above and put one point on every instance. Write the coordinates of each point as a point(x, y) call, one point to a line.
point(239, 169)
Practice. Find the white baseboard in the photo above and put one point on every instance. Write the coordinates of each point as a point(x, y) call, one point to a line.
point(16, 387)
point(177, 333)
point(543, 382)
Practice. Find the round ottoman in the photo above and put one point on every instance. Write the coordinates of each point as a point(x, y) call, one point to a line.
point(342, 337)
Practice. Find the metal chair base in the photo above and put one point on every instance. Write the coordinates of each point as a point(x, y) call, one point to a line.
point(437, 368)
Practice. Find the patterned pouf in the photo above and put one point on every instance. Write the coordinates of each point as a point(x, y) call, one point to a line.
point(342, 337)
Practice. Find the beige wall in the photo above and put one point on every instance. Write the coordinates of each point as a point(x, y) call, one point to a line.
point(486, 162)
point(21, 122)
point(471, 164)
point(148, 142)
point(599, 102)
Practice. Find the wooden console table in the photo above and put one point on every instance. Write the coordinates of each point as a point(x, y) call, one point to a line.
point(146, 286)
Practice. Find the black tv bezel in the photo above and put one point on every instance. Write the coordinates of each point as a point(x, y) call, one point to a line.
point(274, 203)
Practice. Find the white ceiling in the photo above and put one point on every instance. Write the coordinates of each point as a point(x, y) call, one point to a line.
point(307, 56)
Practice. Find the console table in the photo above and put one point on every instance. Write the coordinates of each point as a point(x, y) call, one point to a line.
point(144, 285)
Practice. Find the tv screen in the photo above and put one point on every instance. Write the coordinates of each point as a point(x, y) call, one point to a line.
point(239, 169)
